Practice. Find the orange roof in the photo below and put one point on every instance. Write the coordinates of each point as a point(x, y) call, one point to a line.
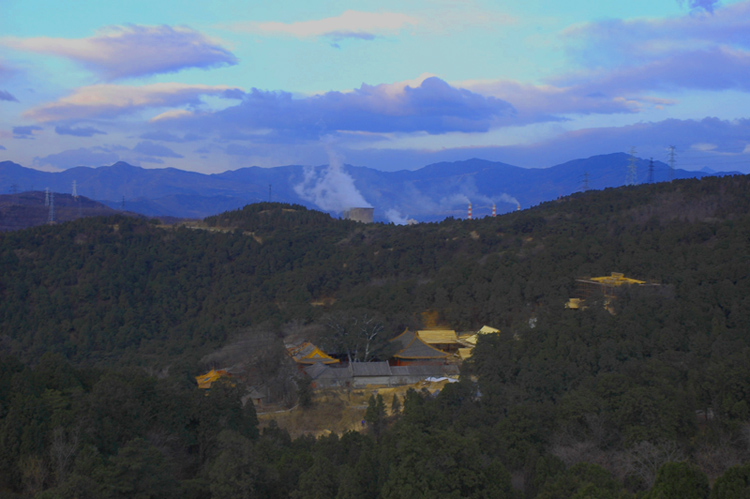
point(307, 353)
point(206, 380)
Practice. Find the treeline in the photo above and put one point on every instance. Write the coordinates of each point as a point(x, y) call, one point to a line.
point(123, 290)
point(565, 402)
point(81, 433)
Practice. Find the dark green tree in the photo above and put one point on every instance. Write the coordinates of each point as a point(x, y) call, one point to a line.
point(679, 481)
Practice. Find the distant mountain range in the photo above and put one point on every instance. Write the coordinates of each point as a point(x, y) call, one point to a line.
point(431, 193)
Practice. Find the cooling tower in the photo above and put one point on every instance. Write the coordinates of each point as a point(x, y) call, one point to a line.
point(363, 215)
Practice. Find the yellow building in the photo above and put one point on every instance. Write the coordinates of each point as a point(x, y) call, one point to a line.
point(442, 339)
point(206, 380)
point(469, 341)
point(607, 286)
point(307, 353)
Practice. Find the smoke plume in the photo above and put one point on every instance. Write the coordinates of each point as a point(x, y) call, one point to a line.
point(395, 216)
point(331, 189)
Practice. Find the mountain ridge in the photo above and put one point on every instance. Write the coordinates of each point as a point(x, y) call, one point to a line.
point(431, 193)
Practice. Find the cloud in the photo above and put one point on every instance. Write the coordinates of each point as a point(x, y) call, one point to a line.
point(171, 114)
point(2, 148)
point(689, 52)
point(350, 24)
point(25, 132)
point(728, 139)
point(707, 5)
point(542, 103)
point(78, 132)
point(152, 160)
point(165, 136)
point(239, 150)
point(433, 107)
point(717, 68)
point(107, 101)
point(79, 157)
point(151, 149)
point(131, 51)
point(7, 96)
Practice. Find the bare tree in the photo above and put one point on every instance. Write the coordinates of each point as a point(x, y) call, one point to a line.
point(62, 449)
point(359, 334)
point(645, 458)
point(257, 357)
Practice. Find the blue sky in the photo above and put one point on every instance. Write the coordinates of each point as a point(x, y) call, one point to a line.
point(387, 84)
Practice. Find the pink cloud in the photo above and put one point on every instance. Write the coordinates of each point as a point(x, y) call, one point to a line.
point(106, 101)
point(131, 51)
point(350, 24)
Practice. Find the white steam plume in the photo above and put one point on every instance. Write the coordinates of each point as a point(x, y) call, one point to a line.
point(393, 215)
point(333, 189)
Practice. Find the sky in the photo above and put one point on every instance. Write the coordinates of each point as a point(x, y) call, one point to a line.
point(391, 85)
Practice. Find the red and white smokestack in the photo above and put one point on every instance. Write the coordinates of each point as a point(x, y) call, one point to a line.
point(518, 208)
point(494, 211)
point(469, 211)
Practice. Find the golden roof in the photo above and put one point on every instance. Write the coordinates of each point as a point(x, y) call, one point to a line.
point(472, 339)
point(206, 380)
point(488, 330)
point(573, 303)
point(616, 279)
point(307, 353)
point(438, 336)
point(465, 353)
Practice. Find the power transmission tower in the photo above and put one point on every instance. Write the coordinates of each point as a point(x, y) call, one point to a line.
point(51, 218)
point(46, 196)
point(585, 181)
point(671, 163)
point(122, 207)
point(651, 171)
point(75, 191)
point(632, 168)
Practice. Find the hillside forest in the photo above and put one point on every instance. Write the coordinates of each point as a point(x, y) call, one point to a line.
point(105, 322)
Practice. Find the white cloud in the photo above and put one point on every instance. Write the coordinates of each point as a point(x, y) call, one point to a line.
point(109, 100)
point(131, 51)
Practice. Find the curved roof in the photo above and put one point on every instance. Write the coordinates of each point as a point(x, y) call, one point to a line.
point(412, 347)
point(307, 353)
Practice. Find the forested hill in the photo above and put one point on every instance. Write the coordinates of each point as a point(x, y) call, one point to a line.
point(100, 288)
point(646, 398)
point(32, 208)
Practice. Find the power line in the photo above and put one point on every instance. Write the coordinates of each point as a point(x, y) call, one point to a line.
point(632, 168)
point(51, 218)
point(671, 163)
point(651, 171)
